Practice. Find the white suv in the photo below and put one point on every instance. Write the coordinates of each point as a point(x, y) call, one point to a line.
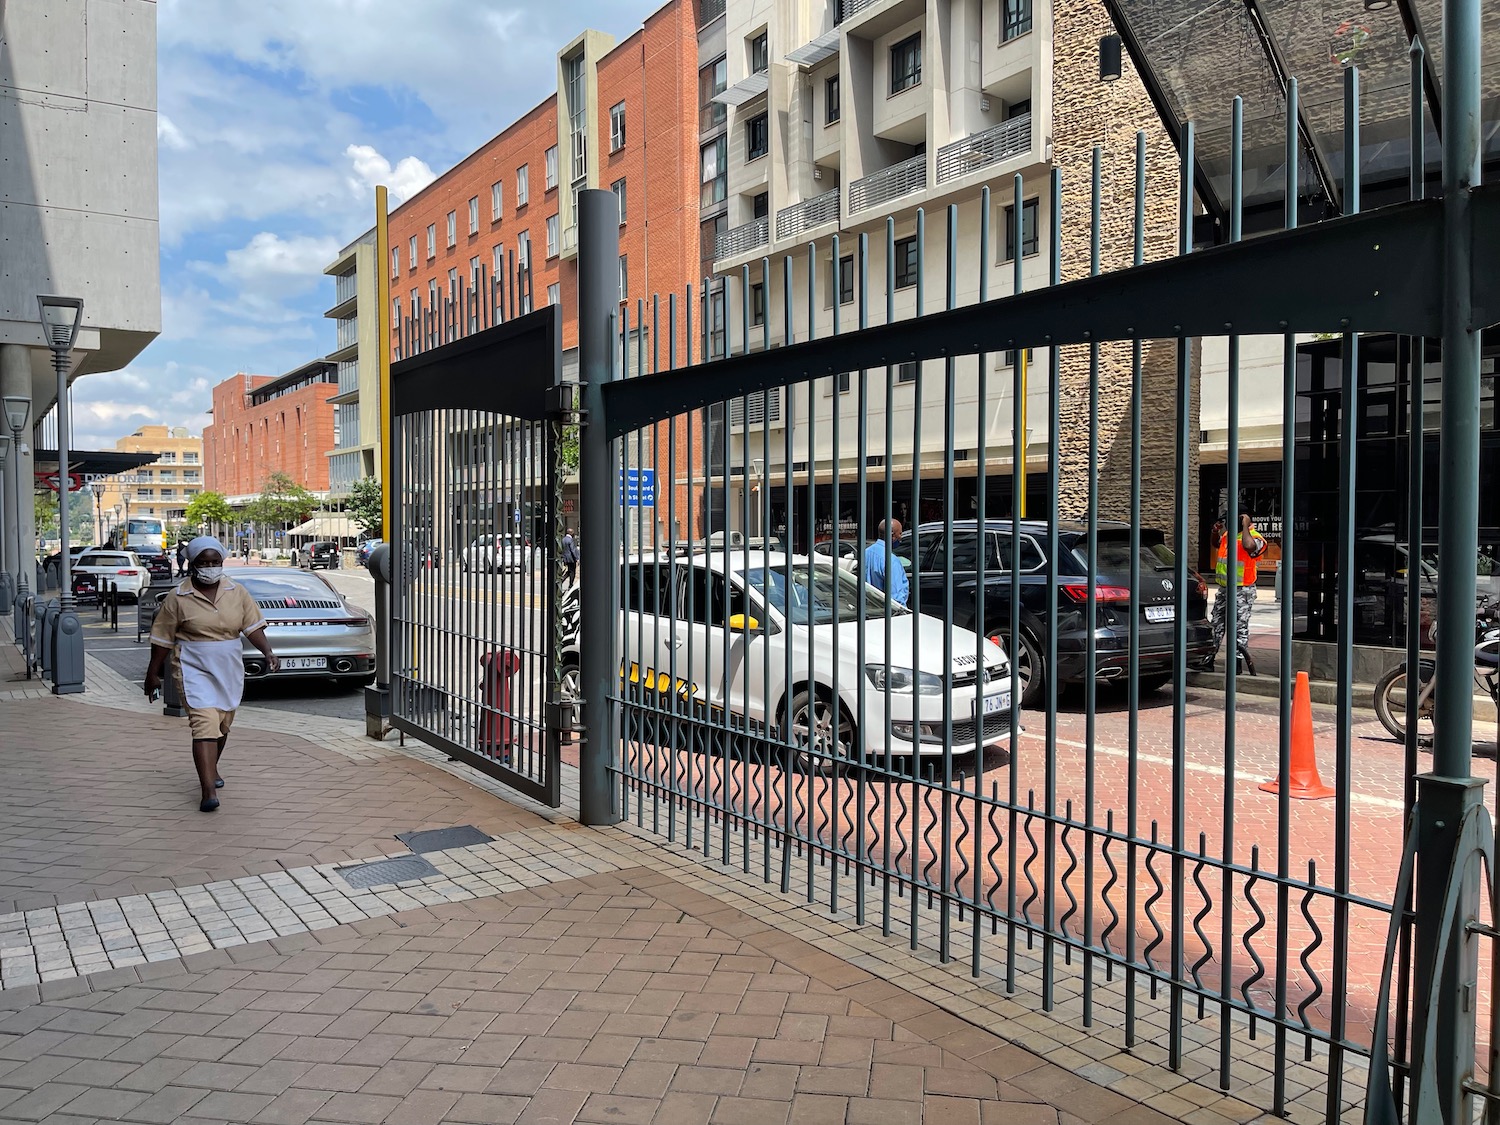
point(120, 567)
point(779, 639)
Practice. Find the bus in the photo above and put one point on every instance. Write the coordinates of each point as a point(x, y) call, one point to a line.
point(145, 535)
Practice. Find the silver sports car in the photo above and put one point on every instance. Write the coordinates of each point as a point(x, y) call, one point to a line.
point(311, 626)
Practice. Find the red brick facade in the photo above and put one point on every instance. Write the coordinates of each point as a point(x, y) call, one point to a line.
point(291, 432)
point(654, 73)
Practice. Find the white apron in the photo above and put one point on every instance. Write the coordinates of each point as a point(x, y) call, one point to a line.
point(213, 673)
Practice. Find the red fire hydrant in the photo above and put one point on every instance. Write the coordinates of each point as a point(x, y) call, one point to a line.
point(499, 665)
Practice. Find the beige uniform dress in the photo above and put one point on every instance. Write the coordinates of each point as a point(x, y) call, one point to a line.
point(207, 659)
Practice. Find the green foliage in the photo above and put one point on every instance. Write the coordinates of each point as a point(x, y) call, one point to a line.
point(80, 515)
point(208, 508)
point(282, 501)
point(366, 507)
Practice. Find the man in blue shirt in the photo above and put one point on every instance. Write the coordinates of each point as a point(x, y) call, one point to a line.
point(882, 569)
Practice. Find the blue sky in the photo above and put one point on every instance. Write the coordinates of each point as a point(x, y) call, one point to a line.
point(277, 120)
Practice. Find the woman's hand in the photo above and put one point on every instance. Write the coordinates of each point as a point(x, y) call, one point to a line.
point(152, 684)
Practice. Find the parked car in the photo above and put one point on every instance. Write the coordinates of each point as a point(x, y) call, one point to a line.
point(365, 548)
point(848, 553)
point(686, 616)
point(52, 564)
point(930, 546)
point(494, 553)
point(122, 568)
point(159, 565)
point(323, 553)
point(313, 629)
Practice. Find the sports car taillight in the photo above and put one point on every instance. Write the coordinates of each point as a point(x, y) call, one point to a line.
point(129, 572)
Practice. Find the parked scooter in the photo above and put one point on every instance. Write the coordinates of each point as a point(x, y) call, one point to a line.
point(1391, 691)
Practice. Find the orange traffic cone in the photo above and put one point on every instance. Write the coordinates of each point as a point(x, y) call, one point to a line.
point(1306, 784)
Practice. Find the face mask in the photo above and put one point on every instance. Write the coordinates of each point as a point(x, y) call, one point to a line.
point(209, 575)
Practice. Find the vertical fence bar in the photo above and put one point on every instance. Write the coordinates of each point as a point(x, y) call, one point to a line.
point(981, 597)
point(888, 765)
point(916, 591)
point(1133, 707)
point(598, 291)
point(1054, 480)
point(950, 441)
point(1017, 649)
point(1091, 610)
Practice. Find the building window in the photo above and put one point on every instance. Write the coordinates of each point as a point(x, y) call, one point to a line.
point(624, 276)
point(395, 261)
point(1015, 18)
point(431, 241)
point(453, 282)
point(523, 249)
point(906, 263)
point(712, 161)
point(452, 228)
point(551, 236)
point(1018, 109)
point(396, 311)
point(474, 271)
point(843, 280)
point(709, 239)
point(617, 127)
point(906, 372)
point(831, 100)
point(497, 261)
point(190, 459)
point(497, 200)
point(757, 136)
point(760, 54)
point(906, 63)
point(757, 304)
point(760, 205)
point(1029, 244)
point(618, 187)
point(523, 195)
point(554, 294)
point(474, 215)
point(411, 253)
point(551, 163)
point(713, 79)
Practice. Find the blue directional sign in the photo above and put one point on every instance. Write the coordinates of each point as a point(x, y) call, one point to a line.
point(638, 488)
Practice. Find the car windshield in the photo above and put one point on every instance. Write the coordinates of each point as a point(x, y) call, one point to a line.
point(284, 584)
point(1114, 552)
point(820, 595)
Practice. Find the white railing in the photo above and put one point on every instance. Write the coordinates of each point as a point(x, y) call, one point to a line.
point(888, 183)
point(792, 221)
point(755, 410)
point(741, 239)
point(1004, 141)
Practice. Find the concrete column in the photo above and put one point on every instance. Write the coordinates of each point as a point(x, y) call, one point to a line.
point(20, 525)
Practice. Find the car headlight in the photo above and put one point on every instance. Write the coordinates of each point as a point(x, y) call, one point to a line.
point(904, 680)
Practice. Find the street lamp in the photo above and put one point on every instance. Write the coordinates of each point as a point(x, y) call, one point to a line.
point(7, 580)
point(60, 318)
point(17, 414)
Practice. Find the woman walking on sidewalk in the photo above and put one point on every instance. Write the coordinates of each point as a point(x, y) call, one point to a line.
point(199, 626)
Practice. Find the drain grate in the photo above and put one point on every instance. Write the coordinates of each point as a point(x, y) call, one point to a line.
point(384, 872)
point(441, 839)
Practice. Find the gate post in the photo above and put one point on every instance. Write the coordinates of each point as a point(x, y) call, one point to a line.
point(378, 696)
point(1448, 798)
point(599, 665)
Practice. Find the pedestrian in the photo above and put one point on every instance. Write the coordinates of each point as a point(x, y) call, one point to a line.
point(570, 557)
point(181, 559)
point(1249, 546)
point(883, 569)
point(198, 629)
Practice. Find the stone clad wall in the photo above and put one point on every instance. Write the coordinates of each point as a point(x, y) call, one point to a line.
point(1085, 113)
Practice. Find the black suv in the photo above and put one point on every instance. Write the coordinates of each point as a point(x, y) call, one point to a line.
point(930, 548)
point(160, 566)
point(314, 555)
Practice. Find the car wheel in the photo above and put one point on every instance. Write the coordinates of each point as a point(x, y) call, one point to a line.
point(571, 685)
point(1030, 664)
point(813, 717)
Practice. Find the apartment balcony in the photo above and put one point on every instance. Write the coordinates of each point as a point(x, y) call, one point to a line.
point(888, 183)
point(793, 221)
point(709, 11)
point(743, 239)
point(1004, 142)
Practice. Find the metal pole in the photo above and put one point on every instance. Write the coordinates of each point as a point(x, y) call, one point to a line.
point(378, 696)
point(599, 669)
point(67, 640)
point(1449, 796)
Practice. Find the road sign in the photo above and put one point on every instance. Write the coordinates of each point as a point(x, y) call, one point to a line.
point(638, 488)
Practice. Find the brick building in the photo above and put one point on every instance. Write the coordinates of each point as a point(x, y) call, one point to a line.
point(263, 424)
point(620, 109)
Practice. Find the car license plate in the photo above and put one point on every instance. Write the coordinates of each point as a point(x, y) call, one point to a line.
point(303, 663)
point(1161, 613)
point(994, 703)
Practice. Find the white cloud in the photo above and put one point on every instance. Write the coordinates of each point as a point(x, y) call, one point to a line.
point(408, 177)
point(268, 256)
point(168, 135)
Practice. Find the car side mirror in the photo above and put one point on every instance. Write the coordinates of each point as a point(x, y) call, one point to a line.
point(740, 623)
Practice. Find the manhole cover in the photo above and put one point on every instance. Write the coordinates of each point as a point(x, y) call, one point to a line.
point(441, 839)
point(384, 872)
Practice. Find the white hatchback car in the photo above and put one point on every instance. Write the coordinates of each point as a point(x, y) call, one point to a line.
point(778, 641)
point(494, 553)
point(120, 567)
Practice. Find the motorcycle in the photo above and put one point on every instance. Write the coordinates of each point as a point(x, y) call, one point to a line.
point(1391, 691)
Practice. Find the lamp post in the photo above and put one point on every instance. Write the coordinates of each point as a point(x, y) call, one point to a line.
point(7, 580)
point(60, 319)
point(17, 414)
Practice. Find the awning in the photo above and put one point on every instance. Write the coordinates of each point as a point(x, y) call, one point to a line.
point(811, 54)
point(328, 527)
point(745, 89)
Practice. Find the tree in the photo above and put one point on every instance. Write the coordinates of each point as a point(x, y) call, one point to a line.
point(366, 507)
point(80, 516)
point(281, 501)
point(209, 508)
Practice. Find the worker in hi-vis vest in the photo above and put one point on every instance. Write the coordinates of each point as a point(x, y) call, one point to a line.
point(1249, 546)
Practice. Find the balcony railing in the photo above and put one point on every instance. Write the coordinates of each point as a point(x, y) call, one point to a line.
point(854, 7)
point(742, 239)
point(889, 183)
point(709, 11)
point(979, 150)
point(348, 331)
point(345, 287)
point(792, 221)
